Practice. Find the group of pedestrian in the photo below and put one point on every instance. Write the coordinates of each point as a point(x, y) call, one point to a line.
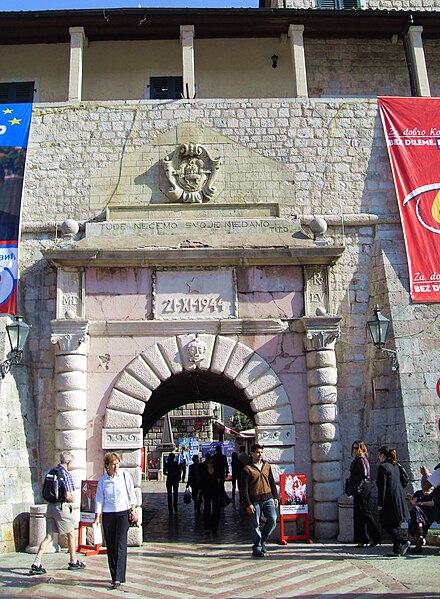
point(393, 505)
point(115, 508)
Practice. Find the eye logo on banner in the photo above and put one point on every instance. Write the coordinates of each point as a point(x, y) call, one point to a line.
point(427, 208)
point(15, 120)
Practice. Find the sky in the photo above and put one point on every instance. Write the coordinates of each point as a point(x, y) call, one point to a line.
point(16, 5)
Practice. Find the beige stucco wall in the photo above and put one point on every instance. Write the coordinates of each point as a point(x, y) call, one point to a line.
point(46, 64)
point(225, 68)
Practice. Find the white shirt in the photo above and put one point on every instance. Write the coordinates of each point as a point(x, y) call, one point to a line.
point(115, 493)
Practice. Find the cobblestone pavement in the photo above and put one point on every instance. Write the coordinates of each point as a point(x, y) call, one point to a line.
point(177, 560)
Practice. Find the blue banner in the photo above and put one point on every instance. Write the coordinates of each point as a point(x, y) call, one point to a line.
point(15, 121)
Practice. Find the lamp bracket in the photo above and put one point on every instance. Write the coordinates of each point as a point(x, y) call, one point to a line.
point(5, 366)
point(393, 354)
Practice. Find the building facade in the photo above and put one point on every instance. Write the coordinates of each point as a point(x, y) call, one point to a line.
point(209, 215)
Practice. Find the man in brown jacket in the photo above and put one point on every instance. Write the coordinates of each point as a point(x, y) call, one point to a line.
point(261, 497)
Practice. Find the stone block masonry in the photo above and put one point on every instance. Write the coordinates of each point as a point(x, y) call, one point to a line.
point(334, 163)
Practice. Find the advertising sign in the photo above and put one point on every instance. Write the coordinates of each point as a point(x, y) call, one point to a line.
point(15, 120)
point(228, 447)
point(192, 443)
point(412, 133)
point(293, 494)
point(88, 500)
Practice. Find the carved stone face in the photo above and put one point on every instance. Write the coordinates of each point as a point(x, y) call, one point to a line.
point(196, 350)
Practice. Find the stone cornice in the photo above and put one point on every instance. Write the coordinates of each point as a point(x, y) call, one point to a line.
point(237, 256)
point(255, 326)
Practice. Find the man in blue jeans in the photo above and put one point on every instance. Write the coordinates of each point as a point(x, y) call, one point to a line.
point(261, 497)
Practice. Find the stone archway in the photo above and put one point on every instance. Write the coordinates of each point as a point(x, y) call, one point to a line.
point(215, 353)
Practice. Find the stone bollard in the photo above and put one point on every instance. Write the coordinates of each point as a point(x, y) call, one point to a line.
point(37, 529)
point(345, 512)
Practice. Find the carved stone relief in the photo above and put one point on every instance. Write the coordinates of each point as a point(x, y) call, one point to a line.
point(316, 296)
point(69, 294)
point(191, 172)
point(128, 438)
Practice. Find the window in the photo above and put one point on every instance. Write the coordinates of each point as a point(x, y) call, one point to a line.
point(16, 93)
point(166, 88)
point(339, 4)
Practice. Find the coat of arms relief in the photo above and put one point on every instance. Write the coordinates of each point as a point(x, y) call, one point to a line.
point(192, 172)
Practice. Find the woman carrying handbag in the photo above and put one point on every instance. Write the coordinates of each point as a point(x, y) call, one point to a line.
point(116, 505)
point(359, 486)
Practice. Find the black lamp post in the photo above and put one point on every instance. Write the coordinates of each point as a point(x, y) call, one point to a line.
point(18, 332)
point(378, 328)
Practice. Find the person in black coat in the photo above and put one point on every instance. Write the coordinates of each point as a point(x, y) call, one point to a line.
point(211, 488)
point(194, 482)
point(391, 501)
point(172, 472)
point(363, 518)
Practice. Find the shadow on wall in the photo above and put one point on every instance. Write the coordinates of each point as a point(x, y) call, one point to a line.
point(20, 529)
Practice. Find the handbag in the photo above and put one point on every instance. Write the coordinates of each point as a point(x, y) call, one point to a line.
point(187, 496)
point(353, 487)
point(96, 534)
point(132, 515)
point(404, 478)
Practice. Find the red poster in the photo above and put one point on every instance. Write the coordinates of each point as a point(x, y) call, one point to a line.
point(293, 494)
point(412, 133)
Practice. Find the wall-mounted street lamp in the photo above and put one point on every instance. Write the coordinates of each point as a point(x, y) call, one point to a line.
point(378, 328)
point(18, 332)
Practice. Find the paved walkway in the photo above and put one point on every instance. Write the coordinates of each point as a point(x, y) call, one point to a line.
point(177, 560)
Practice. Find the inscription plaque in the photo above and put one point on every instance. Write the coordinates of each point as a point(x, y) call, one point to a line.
point(194, 294)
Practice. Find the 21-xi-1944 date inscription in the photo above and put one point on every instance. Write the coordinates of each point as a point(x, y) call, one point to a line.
point(185, 305)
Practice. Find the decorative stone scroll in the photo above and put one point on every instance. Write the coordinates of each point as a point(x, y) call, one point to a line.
point(68, 335)
point(113, 438)
point(191, 172)
point(276, 435)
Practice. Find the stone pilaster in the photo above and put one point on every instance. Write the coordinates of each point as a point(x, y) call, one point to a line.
point(70, 339)
point(298, 61)
point(77, 42)
point(320, 338)
point(418, 60)
point(189, 79)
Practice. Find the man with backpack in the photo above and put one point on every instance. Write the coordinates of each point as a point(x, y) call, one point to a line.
point(58, 490)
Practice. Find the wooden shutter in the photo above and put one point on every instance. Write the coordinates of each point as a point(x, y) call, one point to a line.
point(17, 92)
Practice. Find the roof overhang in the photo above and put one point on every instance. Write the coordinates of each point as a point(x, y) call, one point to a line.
point(50, 27)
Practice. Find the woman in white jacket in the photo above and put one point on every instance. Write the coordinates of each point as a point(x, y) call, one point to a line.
point(116, 506)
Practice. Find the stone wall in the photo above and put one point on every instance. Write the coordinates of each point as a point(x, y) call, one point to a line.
point(336, 164)
point(18, 452)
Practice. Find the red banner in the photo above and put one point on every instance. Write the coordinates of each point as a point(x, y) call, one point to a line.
point(412, 133)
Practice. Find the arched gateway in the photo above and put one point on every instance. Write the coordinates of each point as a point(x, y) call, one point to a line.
point(249, 372)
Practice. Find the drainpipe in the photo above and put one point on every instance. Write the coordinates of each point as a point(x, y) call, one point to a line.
point(408, 56)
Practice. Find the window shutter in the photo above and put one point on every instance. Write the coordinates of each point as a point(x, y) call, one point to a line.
point(338, 4)
point(327, 3)
point(17, 92)
point(166, 88)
